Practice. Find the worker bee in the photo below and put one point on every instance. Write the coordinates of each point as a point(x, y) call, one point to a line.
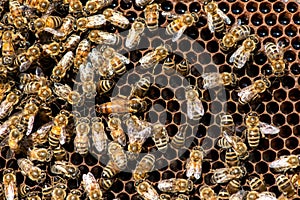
point(75, 7)
point(81, 139)
point(93, 6)
point(237, 33)
point(285, 186)
point(239, 195)
point(216, 19)
point(52, 49)
point(160, 137)
point(8, 51)
point(41, 6)
point(285, 163)
point(32, 172)
point(59, 153)
point(116, 18)
point(59, 71)
point(108, 174)
point(117, 155)
point(253, 195)
point(65, 169)
point(256, 129)
point(151, 59)
point(256, 184)
point(46, 21)
point(65, 29)
point(74, 194)
point(99, 63)
point(41, 135)
point(82, 51)
point(242, 54)
point(227, 124)
point(183, 67)
point(99, 137)
point(145, 165)
point(134, 35)
point(116, 130)
point(65, 92)
point(194, 163)
point(59, 191)
point(151, 13)
point(214, 79)
point(58, 133)
point(179, 139)
point(90, 22)
point(91, 186)
point(16, 12)
point(101, 37)
point(6, 106)
point(231, 158)
point(224, 175)
point(46, 191)
point(251, 92)
point(140, 88)
point(10, 184)
point(169, 65)
point(104, 86)
point(29, 112)
point(275, 55)
point(206, 193)
point(237, 145)
point(145, 190)
point(71, 42)
point(40, 154)
point(233, 186)
point(31, 56)
point(223, 195)
point(179, 25)
point(175, 185)
point(15, 136)
point(122, 105)
point(195, 108)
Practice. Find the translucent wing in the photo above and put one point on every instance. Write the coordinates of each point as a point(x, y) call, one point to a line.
point(178, 34)
point(9, 191)
point(195, 109)
point(132, 34)
point(223, 16)
point(210, 23)
point(266, 196)
point(243, 58)
point(54, 32)
point(63, 136)
point(282, 162)
point(30, 124)
point(211, 80)
point(148, 61)
point(247, 93)
point(96, 20)
point(234, 55)
point(61, 90)
point(193, 169)
point(24, 66)
point(119, 18)
point(268, 129)
point(86, 72)
point(99, 140)
point(124, 59)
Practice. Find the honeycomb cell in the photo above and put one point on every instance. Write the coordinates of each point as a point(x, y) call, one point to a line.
point(167, 175)
point(296, 18)
point(284, 18)
point(265, 7)
point(126, 196)
point(204, 58)
point(264, 144)
point(217, 165)
point(237, 8)
point(276, 31)
point(293, 119)
point(252, 71)
point(292, 7)
point(269, 179)
point(277, 143)
point(205, 34)
point(278, 119)
point(184, 45)
point(291, 143)
point(294, 94)
point(256, 19)
point(176, 165)
point(166, 6)
point(76, 159)
point(265, 118)
point(117, 186)
point(278, 6)
point(180, 8)
point(212, 46)
point(249, 167)
point(125, 5)
point(194, 7)
point(90, 160)
point(295, 68)
point(285, 131)
point(272, 107)
point(291, 30)
point(286, 107)
point(269, 156)
point(263, 31)
point(296, 43)
point(251, 6)
point(261, 167)
point(290, 56)
point(271, 19)
point(280, 95)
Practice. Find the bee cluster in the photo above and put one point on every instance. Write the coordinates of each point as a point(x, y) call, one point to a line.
point(108, 99)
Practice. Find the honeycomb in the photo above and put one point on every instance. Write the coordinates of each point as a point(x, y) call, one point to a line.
point(271, 20)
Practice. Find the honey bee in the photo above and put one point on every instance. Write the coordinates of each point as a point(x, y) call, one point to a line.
point(91, 186)
point(116, 130)
point(237, 145)
point(99, 63)
point(151, 59)
point(237, 33)
point(134, 35)
point(93, 6)
point(224, 175)
point(108, 174)
point(46, 191)
point(74, 194)
point(183, 67)
point(16, 12)
point(214, 79)
point(41, 6)
point(15, 136)
point(116, 18)
point(233, 187)
point(29, 112)
point(256, 129)
point(8, 52)
point(32, 172)
point(117, 155)
point(82, 51)
point(10, 184)
point(239, 195)
point(32, 55)
point(46, 21)
point(160, 137)
point(169, 65)
point(25, 191)
point(75, 7)
point(285, 163)
point(206, 193)
point(216, 19)
point(5, 88)
point(231, 158)
point(59, 71)
point(65, 169)
point(140, 88)
point(179, 139)
point(99, 137)
point(179, 25)
point(101, 37)
point(151, 13)
point(227, 124)
point(275, 55)
point(223, 195)
point(41, 135)
point(122, 105)
point(194, 163)
point(40, 154)
point(145, 165)
point(59, 153)
point(81, 140)
point(6, 106)
point(243, 53)
point(256, 184)
point(59, 191)
point(104, 86)
point(195, 108)
point(90, 22)
point(71, 42)
point(52, 49)
point(65, 29)
point(175, 185)
point(65, 92)
point(58, 133)
point(253, 195)
point(145, 190)
point(252, 92)
point(285, 186)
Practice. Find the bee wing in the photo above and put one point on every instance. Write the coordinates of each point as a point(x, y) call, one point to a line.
point(118, 17)
point(268, 129)
point(223, 16)
point(266, 196)
point(97, 20)
point(210, 23)
point(247, 93)
point(132, 34)
point(234, 55)
point(194, 108)
point(9, 191)
point(148, 60)
point(282, 162)
point(178, 34)
point(100, 140)
point(24, 66)
point(124, 59)
point(61, 90)
point(211, 80)
point(30, 124)
point(54, 32)
point(86, 72)
point(62, 138)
